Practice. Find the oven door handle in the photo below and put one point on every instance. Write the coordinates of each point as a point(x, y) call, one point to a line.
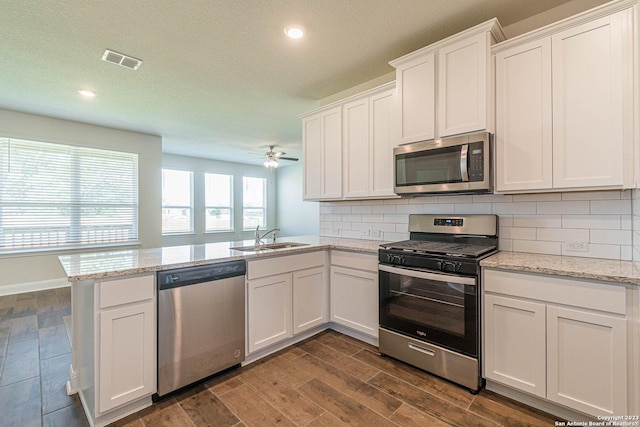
point(464, 164)
point(429, 276)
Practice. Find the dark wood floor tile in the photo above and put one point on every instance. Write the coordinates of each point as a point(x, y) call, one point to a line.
point(355, 341)
point(283, 396)
point(409, 416)
point(381, 402)
point(22, 362)
point(54, 373)
point(284, 370)
point(335, 342)
point(205, 409)
point(345, 408)
point(428, 403)
point(507, 412)
point(20, 403)
point(24, 328)
point(169, 414)
point(132, 420)
point(425, 381)
point(340, 360)
point(27, 307)
point(7, 301)
point(70, 416)
point(225, 382)
point(252, 409)
point(52, 318)
point(27, 295)
point(327, 419)
point(292, 353)
point(53, 341)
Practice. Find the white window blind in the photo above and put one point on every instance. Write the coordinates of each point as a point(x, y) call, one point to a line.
point(177, 201)
point(55, 196)
point(254, 202)
point(218, 202)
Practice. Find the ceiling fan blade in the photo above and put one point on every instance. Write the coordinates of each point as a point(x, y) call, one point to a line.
point(288, 158)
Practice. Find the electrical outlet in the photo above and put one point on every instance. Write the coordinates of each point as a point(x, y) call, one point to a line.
point(576, 246)
point(365, 233)
point(375, 231)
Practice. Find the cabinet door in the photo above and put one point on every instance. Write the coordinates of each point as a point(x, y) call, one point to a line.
point(523, 117)
point(309, 299)
point(331, 155)
point(127, 354)
point(354, 299)
point(515, 343)
point(355, 133)
point(269, 311)
point(311, 147)
point(462, 86)
point(588, 105)
point(415, 111)
point(383, 139)
point(587, 361)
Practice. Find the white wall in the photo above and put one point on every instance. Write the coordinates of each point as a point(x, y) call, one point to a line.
point(45, 267)
point(538, 223)
point(295, 216)
point(199, 167)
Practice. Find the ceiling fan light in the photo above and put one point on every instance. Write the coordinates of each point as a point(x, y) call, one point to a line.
point(271, 163)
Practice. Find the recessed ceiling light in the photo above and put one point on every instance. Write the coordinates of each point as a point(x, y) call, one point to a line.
point(294, 31)
point(87, 93)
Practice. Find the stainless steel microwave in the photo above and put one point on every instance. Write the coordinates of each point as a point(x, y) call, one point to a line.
point(459, 164)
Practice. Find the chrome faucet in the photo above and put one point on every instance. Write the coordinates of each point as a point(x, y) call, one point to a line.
point(259, 237)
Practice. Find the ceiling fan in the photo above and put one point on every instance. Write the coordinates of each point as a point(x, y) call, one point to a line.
point(272, 157)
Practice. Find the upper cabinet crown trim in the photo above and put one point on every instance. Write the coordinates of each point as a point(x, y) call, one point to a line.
point(492, 26)
point(368, 92)
point(589, 15)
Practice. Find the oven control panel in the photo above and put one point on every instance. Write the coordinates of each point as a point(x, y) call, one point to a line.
point(450, 266)
point(448, 222)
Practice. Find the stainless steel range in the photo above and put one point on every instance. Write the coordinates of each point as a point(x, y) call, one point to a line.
point(430, 294)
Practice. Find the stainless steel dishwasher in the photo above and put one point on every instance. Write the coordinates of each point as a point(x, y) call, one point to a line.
point(201, 322)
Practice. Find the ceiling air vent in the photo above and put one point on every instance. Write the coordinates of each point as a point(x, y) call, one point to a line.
point(120, 59)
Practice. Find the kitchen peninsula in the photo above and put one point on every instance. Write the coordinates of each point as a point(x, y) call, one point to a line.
point(114, 308)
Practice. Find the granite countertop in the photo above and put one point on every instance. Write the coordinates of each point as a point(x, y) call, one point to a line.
point(608, 270)
point(98, 265)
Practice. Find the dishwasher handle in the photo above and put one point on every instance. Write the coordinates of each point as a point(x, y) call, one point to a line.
point(175, 278)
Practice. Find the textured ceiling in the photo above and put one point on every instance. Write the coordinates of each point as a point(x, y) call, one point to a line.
point(219, 79)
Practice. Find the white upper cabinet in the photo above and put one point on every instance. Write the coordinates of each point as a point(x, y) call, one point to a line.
point(322, 154)
point(523, 112)
point(565, 104)
point(463, 86)
point(358, 164)
point(457, 97)
point(416, 112)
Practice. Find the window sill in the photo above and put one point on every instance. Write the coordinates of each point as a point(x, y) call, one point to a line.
point(63, 250)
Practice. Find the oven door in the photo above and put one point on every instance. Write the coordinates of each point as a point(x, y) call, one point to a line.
point(438, 308)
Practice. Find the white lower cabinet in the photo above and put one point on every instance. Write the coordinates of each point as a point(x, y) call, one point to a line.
point(127, 354)
point(354, 291)
point(559, 339)
point(286, 295)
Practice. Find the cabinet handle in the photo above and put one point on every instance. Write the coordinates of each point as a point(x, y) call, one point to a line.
point(422, 349)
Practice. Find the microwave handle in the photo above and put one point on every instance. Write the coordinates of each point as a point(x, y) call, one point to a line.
point(464, 169)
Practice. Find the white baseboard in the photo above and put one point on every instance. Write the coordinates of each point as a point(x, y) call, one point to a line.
point(22, 288)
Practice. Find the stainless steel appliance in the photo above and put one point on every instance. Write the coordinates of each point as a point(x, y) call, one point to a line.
point(430, 294)
point(460, 164)
point(201, 312)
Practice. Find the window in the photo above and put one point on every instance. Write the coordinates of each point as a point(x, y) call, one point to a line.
point(177, 201)
point(55, 196)
point(218, 196)
point(254, 202)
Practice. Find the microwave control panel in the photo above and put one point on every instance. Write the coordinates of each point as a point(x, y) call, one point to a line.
point(476, 161)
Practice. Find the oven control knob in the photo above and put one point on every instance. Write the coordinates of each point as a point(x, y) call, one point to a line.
point(451, 266)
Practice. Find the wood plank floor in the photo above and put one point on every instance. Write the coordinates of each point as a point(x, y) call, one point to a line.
point(328, 380)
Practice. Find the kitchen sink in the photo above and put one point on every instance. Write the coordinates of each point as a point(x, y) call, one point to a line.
point(269, 246)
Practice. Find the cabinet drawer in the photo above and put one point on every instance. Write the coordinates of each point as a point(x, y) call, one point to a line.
point(284, 264)
point(124, 291)
point(559, 290)
point(355, 260)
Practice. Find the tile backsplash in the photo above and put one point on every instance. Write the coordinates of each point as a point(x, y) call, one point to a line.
point(596, 224)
